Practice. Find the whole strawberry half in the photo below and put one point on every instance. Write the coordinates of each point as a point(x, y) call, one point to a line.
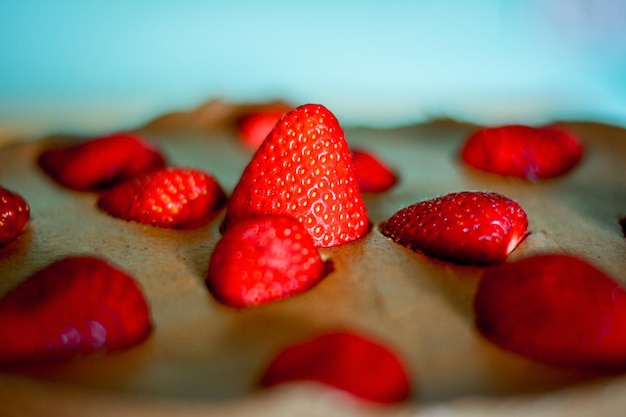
point(554, 308)
point(523, 151)
point(75, 306)
point(263, 259)
point(304, 169)
point(169, 198)
point(372, 174)
point(255, 126)
point(346, 361)
point(14, 214)
point(467, 228)
point(101, 162)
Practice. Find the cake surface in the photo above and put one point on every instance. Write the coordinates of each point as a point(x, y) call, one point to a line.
point(204, 356)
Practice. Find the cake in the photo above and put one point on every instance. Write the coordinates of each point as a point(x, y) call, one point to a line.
point(204, 357)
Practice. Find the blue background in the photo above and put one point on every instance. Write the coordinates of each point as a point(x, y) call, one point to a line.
point(91, 66)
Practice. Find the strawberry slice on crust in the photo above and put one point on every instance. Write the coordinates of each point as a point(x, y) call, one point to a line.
point(173, 197)
point(263, 259)
point(466, 228)
point(372, 174)
point(14, 214)
point(346, 361)
point(304, 170)
point(533, 153)
point(555, 308)
point(254, 127)
point(75, 306)
point(101, 162)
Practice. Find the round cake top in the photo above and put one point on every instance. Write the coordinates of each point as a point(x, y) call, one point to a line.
point(204, 356)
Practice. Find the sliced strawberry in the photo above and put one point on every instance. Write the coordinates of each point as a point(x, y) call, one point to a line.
point(304, 170)
point(372, 174)
point(346, 361)
point(14, 214)
point(255, 126)
point(170, 198)
point(73, 307)
point(101, 162)
point(554, 308)
point(468, 228)
point(523, 151)
point(263, 259)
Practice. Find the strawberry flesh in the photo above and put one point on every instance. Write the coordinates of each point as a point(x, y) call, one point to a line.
point(101, 162)
point(555, 308)
point(345, 361)
point(73, 307)
point(14, 214)
point(263, 259)
point(372, 174)
point(523, 151)
point(169, 198)
point(304, 170)
point(466, 228)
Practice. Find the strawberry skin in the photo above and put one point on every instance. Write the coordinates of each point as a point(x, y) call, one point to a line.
point(263, 259)
point(14, 214)
point(101, 162)
point(554, 308)
point(372, 174)
point(346, 361)
point(75, 306)
point(304, 169)
point(523, 151)
point(466, 228)
point(255, 126)
point(170, 198)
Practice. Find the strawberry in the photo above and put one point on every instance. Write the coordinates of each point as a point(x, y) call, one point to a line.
point(263, 259)
point(372, 174)
point(101, 162)
point(75, 306)
point(523, 151)
point(304, 169)
point(169, 198)
point(14, 214)
point(467, 228)
point(346, 361)
point(554, 308)
point(254, 127)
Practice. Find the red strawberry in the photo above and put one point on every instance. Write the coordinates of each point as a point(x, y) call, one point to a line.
point(372, 174)
point(523, 151)
point(346, 361)
point(471, 228)
point(554, 308)
point(75, 306)
point(170, 198)
point(254, 127)
point(304, 170)
point(14, 214)
point(101, 162)
point(263, 259)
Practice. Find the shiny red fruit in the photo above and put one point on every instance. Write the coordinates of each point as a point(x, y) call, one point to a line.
point(14, 214)
point(554, 308)
point(101, 162)
point(263, 259)
point(467, 228)
point(372, 174)
point(346, 361)
point(304, 170)
point(527, 152)
point(169, 198)
point(73, 307)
